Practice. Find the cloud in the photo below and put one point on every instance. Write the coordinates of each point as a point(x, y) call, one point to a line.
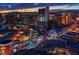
point(72, 6)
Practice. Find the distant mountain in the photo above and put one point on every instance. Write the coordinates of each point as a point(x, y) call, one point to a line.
point(61, 10)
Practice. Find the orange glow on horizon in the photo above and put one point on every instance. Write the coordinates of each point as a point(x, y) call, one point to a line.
point(20, 10)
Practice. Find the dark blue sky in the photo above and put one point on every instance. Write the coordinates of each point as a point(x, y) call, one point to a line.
point(7, 6)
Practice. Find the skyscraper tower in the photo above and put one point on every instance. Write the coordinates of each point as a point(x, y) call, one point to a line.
point(43, 19)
